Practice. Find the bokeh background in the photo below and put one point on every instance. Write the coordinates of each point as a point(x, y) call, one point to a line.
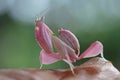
point(89, 20)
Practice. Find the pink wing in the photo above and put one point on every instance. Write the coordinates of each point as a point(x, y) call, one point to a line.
point(70, 39)
point(64, 50)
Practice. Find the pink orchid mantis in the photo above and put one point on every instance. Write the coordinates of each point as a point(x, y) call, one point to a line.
point(67, 46)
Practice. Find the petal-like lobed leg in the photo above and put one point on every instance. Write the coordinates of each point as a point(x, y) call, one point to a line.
point(95, 49)
point(50, 58)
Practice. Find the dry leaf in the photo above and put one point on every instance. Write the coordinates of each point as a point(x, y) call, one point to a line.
point(94, 69)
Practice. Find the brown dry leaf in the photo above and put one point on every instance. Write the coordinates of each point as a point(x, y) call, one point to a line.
point(94, 69)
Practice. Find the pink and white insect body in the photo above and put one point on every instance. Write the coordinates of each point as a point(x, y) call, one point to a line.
point(67, 46)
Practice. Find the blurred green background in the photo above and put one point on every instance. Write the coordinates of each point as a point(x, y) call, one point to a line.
point(89, 20)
